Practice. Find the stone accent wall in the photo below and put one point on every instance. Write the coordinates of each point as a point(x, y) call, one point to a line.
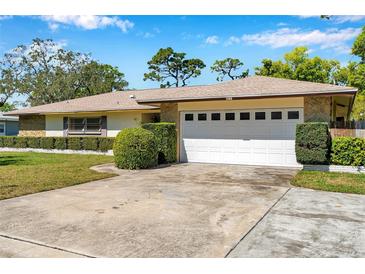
point(32, 125)
point(170, 113)
point(317, 108)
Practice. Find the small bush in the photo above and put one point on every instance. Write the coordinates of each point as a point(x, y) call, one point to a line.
point(74, 143)
point(21, 142)
point(105, 143)
point(348, 151)
point(90, 143)
point(46, 142)
point(313, 143)
point(135, 148)
point(33, 142)
point(166, 140)
point(9, 141)
point(60, 143)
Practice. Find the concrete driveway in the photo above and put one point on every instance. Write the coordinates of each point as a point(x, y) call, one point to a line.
point(186, 210)
point(308, 223)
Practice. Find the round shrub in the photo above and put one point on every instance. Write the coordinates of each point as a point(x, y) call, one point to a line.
point(135, 148)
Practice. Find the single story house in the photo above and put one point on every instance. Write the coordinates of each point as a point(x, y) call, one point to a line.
point(245, 121)
point(8, 125)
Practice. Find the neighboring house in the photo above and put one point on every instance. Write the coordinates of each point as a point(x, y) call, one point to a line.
point(9, 125)
point(245, 121)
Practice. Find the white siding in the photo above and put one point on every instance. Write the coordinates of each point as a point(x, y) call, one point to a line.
point(115, 122)
point(54, 126)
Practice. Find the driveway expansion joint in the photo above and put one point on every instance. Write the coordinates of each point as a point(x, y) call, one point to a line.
point(45, 245)
point(259, 221)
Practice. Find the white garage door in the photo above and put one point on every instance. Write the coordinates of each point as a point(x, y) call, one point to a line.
point(253, 137)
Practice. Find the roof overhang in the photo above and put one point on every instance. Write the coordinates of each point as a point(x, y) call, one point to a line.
point(17, 113)
point(237, 97)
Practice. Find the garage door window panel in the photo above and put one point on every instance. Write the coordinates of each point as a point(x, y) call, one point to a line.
point(293, 115)
point(276, 115)
point(244, 116)
point(189, 117)
point(215, 116)
point(230, 116)
point(202, 117)
point(260, 115)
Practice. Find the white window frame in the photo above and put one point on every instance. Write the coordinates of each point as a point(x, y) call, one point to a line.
point(4, 133)
point(84, 131)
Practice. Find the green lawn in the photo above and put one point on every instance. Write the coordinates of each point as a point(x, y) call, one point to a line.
point(331, 181)
point(28, 172)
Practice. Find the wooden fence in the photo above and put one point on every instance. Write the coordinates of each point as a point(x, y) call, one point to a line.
point(347, 132)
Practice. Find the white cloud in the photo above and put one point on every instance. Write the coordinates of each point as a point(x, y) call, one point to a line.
point(286, 37)
point(281, 24)
point(5, 17)
point(232, 40)
point(150, 34)
point(87, 22)
point(348, 18)
point(211, 40)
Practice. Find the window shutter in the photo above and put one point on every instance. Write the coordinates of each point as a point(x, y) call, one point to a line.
point(103, 126)
point(65, 126)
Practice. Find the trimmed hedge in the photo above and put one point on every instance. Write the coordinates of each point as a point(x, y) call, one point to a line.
point(90, 143)
point(105, 143)
point(74, 143)
point(166, 140)
point(61, 143)
point(348, 151)
point(313, 143)
point(135, 148)
point(46, 143)
point(33, 142)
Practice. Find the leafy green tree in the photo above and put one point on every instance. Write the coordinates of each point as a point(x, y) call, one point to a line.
point(7, 107)
point(274, 69)
point(98, 78)
point(317, 70)
point(49, 73)
point(10, 84)
point(358, 47)
point(298, 66)
point(171, 68)
point(228, 67)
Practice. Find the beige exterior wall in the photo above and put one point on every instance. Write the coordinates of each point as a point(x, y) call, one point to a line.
point(116, 121)
point(243, 104)
point(32, 125)
point(317, 108)
point(54, 126)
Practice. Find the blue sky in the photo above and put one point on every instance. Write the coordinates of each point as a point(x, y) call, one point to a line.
point(130, 41)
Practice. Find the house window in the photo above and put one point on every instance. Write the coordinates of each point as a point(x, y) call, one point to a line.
point(189, 117)
point(260, 116)
point(293, 114)
point(202, 117)
point(2, 129)
point(215, 116)
point(87, 125)
point(244, 116)
point(276, 115)
point(230, 116)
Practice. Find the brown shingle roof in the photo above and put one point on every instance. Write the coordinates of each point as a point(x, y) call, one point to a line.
point(250, 87)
